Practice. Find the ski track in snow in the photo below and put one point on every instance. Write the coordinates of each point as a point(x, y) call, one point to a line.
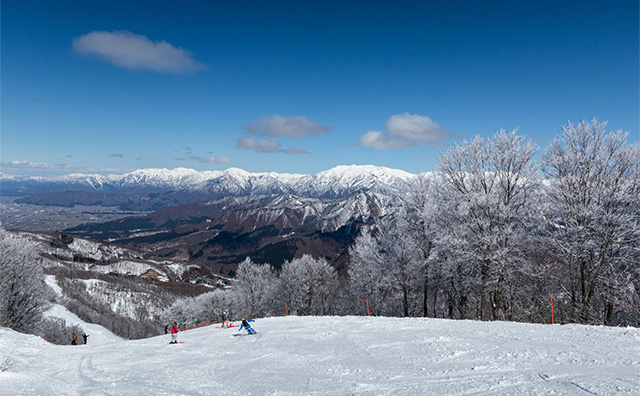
point(336, 356)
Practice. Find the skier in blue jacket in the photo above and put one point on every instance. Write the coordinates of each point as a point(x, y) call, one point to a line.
point(247, 326)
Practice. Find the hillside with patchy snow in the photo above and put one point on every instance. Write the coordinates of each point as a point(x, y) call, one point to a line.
point(335, 356)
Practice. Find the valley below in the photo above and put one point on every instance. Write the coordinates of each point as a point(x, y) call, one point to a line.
point(30, 217)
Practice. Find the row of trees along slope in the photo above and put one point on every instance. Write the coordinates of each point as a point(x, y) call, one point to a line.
point(489, 236)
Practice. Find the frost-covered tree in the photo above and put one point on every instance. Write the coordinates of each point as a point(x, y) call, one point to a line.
point(367, 285)
point(22, 285)
point(203, 308)
point(308, 286)
point(385, 266)
point(400, 257)
point(420, 207)
point(594, 219)
point(254, 288)
point(489, 183)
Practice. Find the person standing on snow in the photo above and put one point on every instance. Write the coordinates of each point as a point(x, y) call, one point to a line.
point(74, 339)
point(85, 335)
point(247, 326)
point(174, 333)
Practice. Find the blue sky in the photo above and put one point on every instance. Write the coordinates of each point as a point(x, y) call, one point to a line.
point(300, 87)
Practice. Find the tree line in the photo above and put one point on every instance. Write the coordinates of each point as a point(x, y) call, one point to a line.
point(492, 235)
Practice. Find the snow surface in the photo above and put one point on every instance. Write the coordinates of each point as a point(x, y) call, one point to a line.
point(98, 335)
point(335, 356)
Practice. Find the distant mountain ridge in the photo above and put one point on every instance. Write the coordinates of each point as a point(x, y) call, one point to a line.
point(217, 218)
point(183, 185)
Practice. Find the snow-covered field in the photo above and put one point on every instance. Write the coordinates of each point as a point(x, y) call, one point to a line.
point(335, 356)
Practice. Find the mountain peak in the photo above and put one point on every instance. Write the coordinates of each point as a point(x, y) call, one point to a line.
point(358, 170)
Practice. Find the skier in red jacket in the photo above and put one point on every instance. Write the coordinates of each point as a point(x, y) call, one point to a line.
point(174, 333)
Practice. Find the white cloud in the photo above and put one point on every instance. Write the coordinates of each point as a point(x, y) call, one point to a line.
point(31, 166)
point(209, 160)
point(267, 146)
point(295, 126)
point(417, 128)
point(262, 146)
point(136, 52)
point(382, 141)
point(295, 150)
point(25, 165)
point(216, 160)
point(407, 130)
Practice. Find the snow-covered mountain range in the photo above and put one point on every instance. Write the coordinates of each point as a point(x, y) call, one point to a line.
point(336, 182)
point(217, 218)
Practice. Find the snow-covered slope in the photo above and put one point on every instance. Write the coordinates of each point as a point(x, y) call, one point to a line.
point(336, 356)
point(97, 334)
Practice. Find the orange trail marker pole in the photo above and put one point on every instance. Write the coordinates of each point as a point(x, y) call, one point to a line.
point(286, 311)
point(551, 297)
point(368, 314)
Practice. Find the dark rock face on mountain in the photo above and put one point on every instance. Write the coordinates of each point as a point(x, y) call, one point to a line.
point(220, 234)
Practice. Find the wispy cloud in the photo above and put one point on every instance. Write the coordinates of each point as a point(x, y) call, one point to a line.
point(278, 126)
point(382, 141)
point(136, 52)
point(118, 155)
point(31, 166)
point(262, 145)
point(295, 150)
point(267, 146)
point(211, 160)
point(407, 130)
point(25, 165)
